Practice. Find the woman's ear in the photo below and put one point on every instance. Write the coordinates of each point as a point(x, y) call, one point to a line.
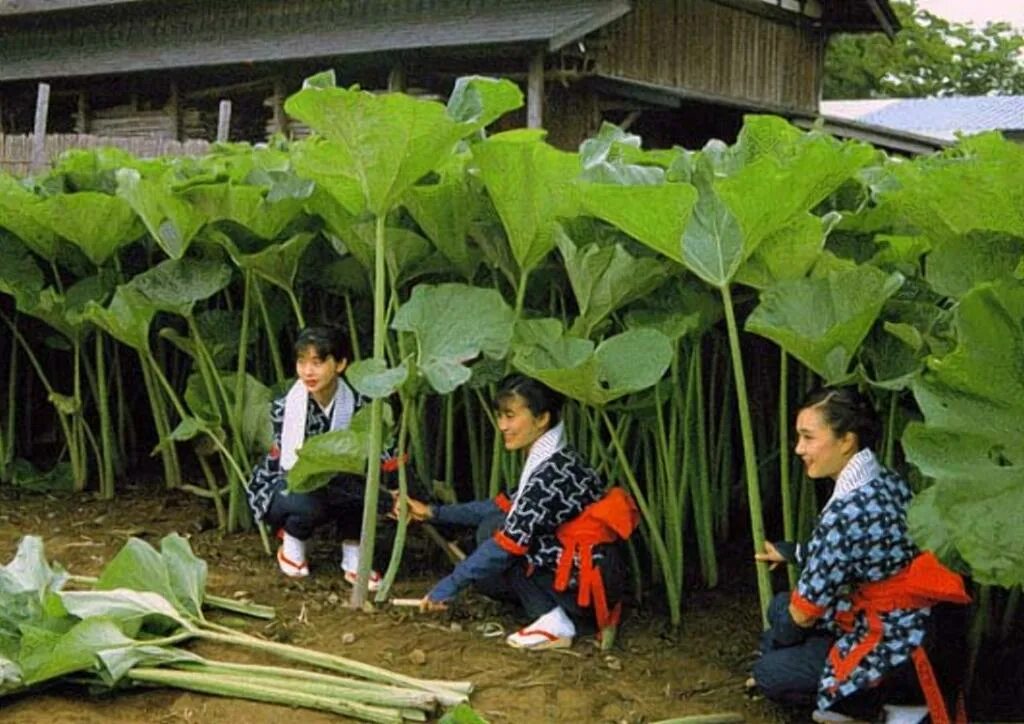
point(544, 420)
point(340, 365)
point(849, 443)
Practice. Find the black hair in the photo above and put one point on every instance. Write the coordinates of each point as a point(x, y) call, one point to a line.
point(539, 397)
point(844, 410)
point(326, 340)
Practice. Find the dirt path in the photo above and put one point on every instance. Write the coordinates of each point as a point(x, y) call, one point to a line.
point(649, 676)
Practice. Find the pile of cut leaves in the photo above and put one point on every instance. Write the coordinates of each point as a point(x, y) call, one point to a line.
point(127, 629)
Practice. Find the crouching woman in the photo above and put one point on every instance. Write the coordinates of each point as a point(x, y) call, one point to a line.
point(552, 543)
point(855, 624)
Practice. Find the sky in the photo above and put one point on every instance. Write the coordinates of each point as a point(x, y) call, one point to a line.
point(977, 11)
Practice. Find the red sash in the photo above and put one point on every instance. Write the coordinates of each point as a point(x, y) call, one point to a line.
point(923, 583)
point(612, 518)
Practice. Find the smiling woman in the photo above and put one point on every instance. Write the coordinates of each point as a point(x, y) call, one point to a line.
point(855, 626)
point(528, 540)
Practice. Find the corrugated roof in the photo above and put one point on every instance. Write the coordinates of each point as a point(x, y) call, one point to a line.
point(28, 7)
point(937, 117)
point(551, 22)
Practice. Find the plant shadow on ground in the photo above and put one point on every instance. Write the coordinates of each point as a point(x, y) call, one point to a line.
point(650, 675)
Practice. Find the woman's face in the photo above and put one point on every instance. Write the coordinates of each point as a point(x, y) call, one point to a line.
point(824, 454)
point(519, 427)
point(319, 374)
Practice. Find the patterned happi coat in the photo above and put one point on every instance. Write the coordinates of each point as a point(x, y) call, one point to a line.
point(861, 537)
point(556, 491)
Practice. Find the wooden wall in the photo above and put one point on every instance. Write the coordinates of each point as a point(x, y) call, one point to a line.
point(16, 150)
point(707, 48)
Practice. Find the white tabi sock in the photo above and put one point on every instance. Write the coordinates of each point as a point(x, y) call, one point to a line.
point(350, 556)
point(556, 621)
point(294, 549)
point(895, 714)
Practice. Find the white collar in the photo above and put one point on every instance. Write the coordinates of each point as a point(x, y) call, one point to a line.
point(860, 469)
point(296, 407)
point(543, 447)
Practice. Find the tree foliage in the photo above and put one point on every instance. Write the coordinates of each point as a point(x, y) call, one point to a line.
point(930, 56)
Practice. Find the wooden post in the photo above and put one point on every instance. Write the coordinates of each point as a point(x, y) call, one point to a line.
point(39, 132)
point(535, 92)
point(280, 117)
point(1, 114)
point(224, 121)
point(174, 110)
point(82, 119)
point(396, 78)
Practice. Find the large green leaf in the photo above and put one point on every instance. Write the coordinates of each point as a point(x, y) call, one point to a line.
point(530, 184)
point(655, 215)
point(132, 610)
point(116, 662)
point(477, 101)
point(339, 451)
point(186, 572)
point(972, 438)
point(247, 206)
point(977, 187)
point(958, 264)
point(606, 278)
point(385, 143)
point(175, 285)
point(443, 212)
point(788, 253)
point(277, 263)
point(373, 378)
point(171, 221)
point(139, 567)
point(453, 324)
point(47, 655)
point(16, 215)
point(127, 318)
point(20, 275)
point(626, 363)
point(96, 223)
point(822, 320)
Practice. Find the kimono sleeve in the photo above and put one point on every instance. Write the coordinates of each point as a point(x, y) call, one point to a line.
point(829, 562)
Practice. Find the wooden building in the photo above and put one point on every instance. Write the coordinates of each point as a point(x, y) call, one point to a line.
point(675, 71)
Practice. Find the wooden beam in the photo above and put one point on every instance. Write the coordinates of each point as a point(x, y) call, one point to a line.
point(535, 92)
point(174, 109)
point(39, 132)
point(224, 121)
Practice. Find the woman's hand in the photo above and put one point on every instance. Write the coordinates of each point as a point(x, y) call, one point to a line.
point(771, 555)
point(418, 510)
point(430, 606)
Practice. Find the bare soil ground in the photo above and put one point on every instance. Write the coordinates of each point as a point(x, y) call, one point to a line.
point(650, 675)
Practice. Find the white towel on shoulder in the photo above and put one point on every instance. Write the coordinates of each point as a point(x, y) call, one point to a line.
point(296, 406)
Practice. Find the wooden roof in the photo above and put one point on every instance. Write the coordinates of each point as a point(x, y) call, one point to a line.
point(192, 34)
point(29, 7)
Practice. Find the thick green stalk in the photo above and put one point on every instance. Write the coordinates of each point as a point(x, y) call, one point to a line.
point(7, 449)
point(403, 515)
point(106, 463)
point(472, 443)
point(672, 587)
point(354, 689)
point(891, 430)
point(764, 584)
point(37, 366)
point(449, 438)
point(369, 529)
point(448, 692)
point(168, 450)
point(1010, 613)
point(353, 330)
point(785, 484)
point(237, 687)
point(978, 632)
point(236, 503)
point(275, 353)
point(703, 514)
point(79, 466)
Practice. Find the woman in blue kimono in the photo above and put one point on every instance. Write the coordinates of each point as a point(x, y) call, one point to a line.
point(319, 401)
point(857, 619)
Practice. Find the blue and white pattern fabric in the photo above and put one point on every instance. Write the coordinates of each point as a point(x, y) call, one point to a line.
point(861, 537)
